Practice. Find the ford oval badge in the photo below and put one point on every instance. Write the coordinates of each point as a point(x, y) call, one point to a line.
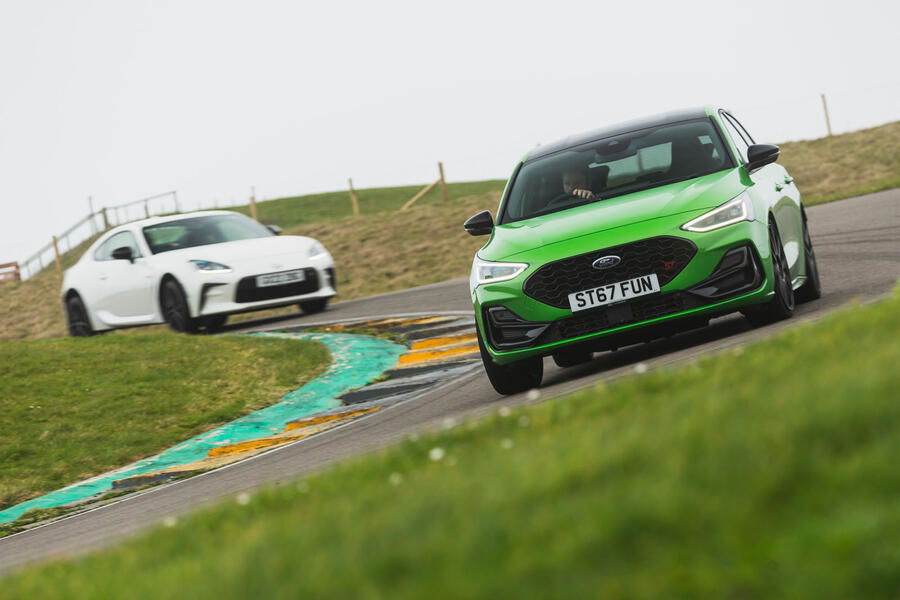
point(606, 262)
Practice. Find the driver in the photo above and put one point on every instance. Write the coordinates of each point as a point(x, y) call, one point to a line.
point(577, 182)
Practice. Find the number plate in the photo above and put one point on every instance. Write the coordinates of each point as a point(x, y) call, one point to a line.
point(280, 278)
point(614, 292)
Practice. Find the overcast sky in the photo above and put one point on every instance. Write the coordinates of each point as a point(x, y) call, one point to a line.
point(124, 99)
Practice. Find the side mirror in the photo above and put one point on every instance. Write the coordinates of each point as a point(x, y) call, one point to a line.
point(760, 155)
point(274, 229)
point(123, 253)
point(480, 224)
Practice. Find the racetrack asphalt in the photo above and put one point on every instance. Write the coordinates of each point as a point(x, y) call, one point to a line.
point(857, 244)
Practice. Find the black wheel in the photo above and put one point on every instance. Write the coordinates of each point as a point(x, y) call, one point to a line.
point(812, 287)
point(214, 322)
point(572, 357)
point(314, 306)
point(782, 305)
point(77, 318)
point(175, 308)
point(513, 378)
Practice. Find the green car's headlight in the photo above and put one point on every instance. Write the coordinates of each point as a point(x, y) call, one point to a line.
point(734, 211)
point(485, 271)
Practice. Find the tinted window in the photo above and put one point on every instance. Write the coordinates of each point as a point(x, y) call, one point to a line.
point(615, 166)
point(202, 231)
point(119, 240)
point(739, 141)
point(740, 128)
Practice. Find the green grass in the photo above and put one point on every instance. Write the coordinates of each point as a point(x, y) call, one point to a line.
point(73, 408)
point(759, 473)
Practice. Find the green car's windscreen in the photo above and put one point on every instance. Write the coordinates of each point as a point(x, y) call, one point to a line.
point(614, 166)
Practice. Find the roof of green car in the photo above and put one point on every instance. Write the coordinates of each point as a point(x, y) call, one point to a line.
point(619, 128)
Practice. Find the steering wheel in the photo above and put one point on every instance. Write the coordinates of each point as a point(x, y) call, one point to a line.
point(562, 200)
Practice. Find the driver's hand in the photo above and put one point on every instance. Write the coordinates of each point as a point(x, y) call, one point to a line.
point(586, 194)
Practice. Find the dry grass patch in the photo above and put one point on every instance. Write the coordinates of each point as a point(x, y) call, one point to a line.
point(399, 250)
point(841, 166)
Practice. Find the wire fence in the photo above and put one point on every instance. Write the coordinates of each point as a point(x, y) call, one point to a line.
point(94, 224)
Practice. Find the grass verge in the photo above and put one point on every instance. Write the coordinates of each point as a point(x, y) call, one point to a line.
point(845, 165)
point(74, 408)
point(759, 473)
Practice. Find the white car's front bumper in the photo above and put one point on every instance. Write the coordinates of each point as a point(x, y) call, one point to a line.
point(237, 292)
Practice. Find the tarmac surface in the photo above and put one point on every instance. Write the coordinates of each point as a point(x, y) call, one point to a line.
point(857, 244)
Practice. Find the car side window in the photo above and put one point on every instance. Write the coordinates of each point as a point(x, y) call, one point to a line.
point(119, 240)
point(739, 141)
point(741, 129)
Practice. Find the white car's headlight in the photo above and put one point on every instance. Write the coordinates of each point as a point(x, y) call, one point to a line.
point(485, 271)
point(208, 265)
point(734, 211)
point(317, 249)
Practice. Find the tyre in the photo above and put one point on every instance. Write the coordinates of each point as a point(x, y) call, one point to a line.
point(781, 306)
point(812, 287)
point(77, 318)
point(572, 357)
point(314, 306)
point(214, 323)
point(513, 378)
point(175, 309)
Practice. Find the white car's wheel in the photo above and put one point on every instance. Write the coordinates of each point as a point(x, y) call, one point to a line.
point(314, 306)
point(175, 308)
point(77, 318)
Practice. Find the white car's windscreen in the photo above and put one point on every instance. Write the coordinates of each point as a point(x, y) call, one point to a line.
point(202, 231)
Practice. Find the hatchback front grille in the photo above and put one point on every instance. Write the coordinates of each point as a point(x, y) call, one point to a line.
point(617, 315)
point(665, 256)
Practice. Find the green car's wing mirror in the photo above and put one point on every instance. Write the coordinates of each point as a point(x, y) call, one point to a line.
point(480, 224)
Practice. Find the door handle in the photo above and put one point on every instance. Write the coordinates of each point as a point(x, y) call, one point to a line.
point(778, 187)
point(103, 277)
point(788, 179)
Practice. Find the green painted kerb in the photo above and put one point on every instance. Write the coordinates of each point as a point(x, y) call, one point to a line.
point(355, 361)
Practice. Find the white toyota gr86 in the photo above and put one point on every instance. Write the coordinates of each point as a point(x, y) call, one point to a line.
point(191, 271)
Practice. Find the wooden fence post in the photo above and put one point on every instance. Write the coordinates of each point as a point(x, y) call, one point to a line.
point(56, 252)
point(827, 120)
point(146, 209)
point(253, 206)
point(421, 193)
point(353, 199)
point(105, 220)
point(444, 192)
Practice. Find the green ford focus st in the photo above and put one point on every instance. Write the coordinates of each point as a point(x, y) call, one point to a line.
point(633, 233)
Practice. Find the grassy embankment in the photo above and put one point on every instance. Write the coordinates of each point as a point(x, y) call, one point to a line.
point(746, 475)
point(73, 408)
point(387, 250)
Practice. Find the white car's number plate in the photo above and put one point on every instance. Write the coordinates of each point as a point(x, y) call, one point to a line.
point(614, 292)
point(280, 278)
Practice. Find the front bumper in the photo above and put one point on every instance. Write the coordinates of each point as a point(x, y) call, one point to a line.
point(731, 269)
point(237, 292)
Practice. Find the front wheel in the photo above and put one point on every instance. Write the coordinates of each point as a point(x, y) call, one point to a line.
point(781, 306)
point(513, 378)
point(77, 318)
point(314, 306)
point(175, 308)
